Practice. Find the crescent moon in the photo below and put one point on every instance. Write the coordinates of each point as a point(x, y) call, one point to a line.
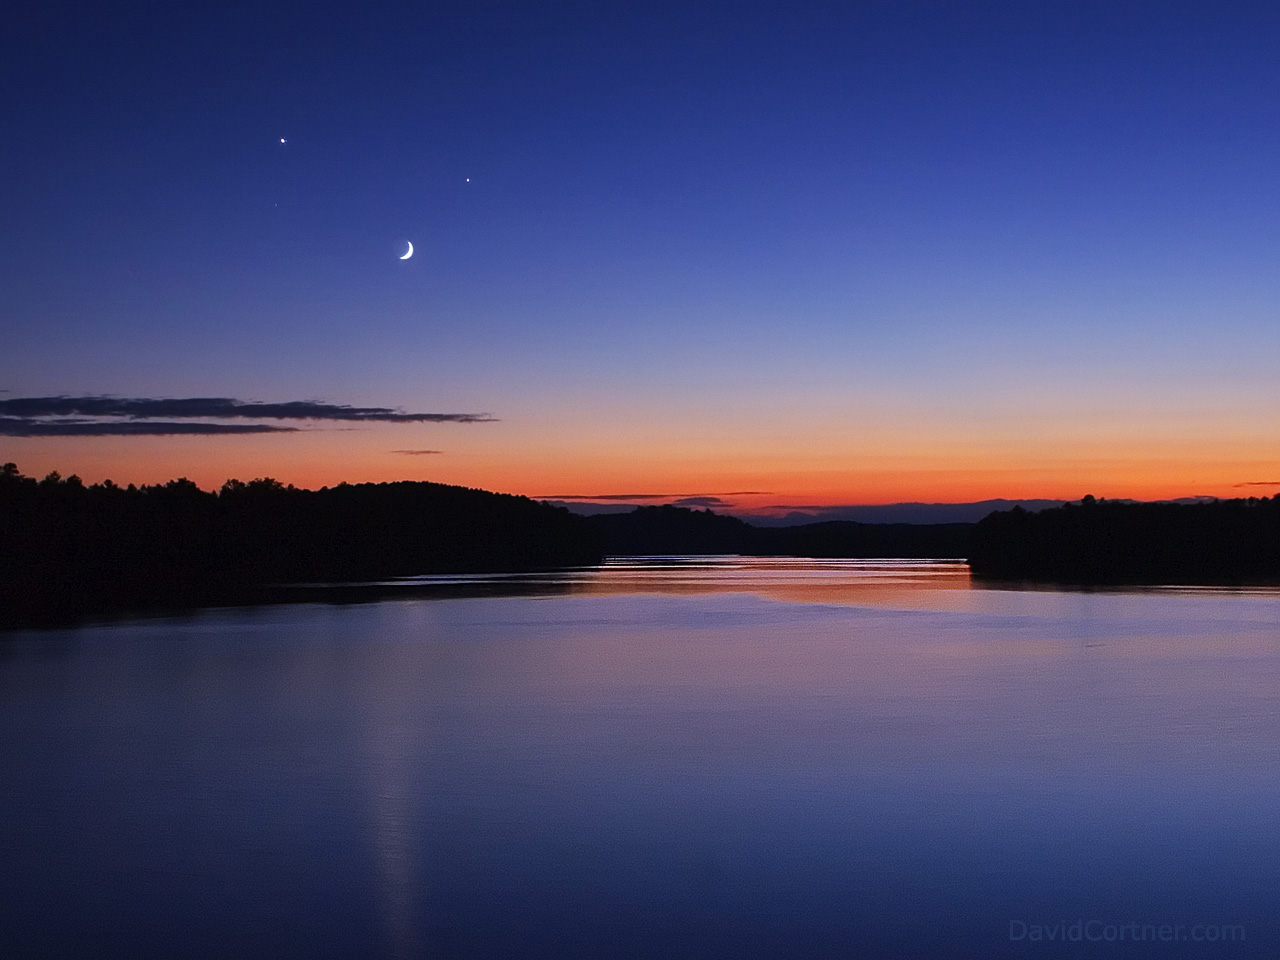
point(410, 253)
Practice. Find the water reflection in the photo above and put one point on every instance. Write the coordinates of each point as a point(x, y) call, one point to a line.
point(391, 752)
point(799, 580)
point(943, 584)
point(654, 758)
point(910, 584)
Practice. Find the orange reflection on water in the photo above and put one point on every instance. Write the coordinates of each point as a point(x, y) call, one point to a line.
point(890, 583)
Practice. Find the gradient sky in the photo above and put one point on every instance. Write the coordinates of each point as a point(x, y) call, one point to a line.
point(833, 253)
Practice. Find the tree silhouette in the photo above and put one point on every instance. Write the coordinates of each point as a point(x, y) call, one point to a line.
point(67, 547)
point(1100, 541)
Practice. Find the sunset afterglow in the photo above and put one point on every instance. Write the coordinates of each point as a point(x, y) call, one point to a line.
point(845, 256)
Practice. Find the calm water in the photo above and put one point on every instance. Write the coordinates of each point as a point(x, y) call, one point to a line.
point(715, 759)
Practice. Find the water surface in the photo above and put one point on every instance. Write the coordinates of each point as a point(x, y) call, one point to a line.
point(720, 758)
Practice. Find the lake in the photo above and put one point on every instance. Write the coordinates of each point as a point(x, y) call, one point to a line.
point(668, 758)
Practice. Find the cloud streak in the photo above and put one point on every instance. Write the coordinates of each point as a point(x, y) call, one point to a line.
point(64, 416)
point(416, 453)
point(1258, 483)
point(29, 427)
point(220, 408)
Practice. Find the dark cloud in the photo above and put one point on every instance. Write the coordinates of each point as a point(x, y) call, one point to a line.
point(29, 427)
point(613, 496)
point(657, 496)
point(221, 408)
point(707, 502)
point(416, 453)
point(1258, 483)
point(63, 416)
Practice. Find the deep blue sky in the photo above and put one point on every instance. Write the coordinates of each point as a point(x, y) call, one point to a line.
point(858, 251)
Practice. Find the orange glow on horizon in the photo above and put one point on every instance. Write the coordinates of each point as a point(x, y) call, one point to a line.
point(528, 466)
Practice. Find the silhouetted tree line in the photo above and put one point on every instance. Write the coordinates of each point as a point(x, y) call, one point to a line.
point(678, 530)
point(66, 546)
point(1096, 541)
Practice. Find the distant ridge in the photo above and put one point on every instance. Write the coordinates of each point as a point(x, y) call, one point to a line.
point(900, 512)
point(906, 512)
point(679, 530)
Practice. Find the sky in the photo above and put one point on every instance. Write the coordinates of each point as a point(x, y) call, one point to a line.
point(775, 254)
